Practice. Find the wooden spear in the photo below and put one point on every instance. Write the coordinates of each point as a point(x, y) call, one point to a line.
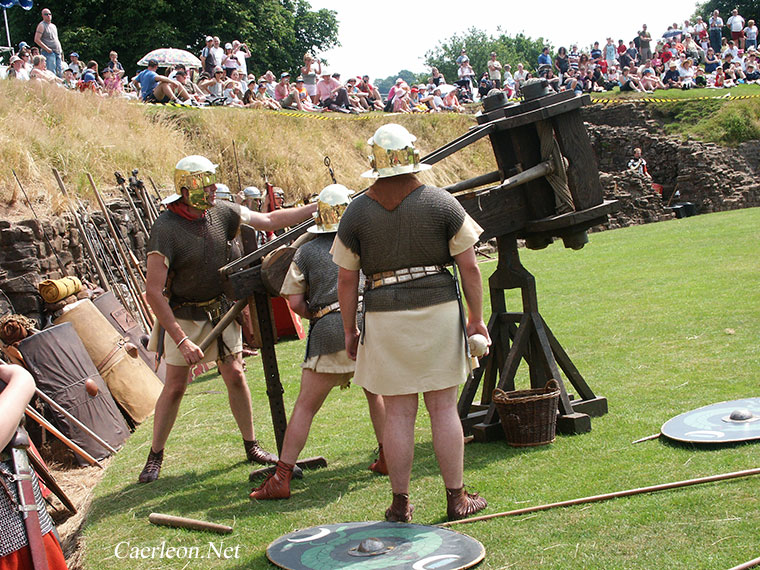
point(140, 301)
point(182, 522)
point(31, 413)
point(606, 496)
point(53, 404)
point(88, 246)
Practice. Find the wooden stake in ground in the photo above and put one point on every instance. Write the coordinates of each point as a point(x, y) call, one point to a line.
point(192, 524)
point(597, 498)
point(31, 413)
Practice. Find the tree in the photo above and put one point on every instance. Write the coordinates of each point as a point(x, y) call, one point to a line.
point(479, 46)
point(384, 85)
point(278, 32)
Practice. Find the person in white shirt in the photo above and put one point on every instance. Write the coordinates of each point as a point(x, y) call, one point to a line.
point(736, 23)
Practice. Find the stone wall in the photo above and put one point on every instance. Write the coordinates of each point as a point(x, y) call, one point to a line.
point(26, 258)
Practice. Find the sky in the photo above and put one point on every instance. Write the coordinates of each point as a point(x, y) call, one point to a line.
point(381, 39)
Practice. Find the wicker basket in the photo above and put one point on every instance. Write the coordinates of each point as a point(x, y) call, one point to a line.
point(528, 417)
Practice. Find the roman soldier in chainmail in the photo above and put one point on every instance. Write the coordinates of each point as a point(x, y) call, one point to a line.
point(402, 235)
point(311, 287)
point(27, 534)
point(188, 245)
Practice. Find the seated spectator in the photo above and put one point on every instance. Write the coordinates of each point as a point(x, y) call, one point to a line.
point(699, 77)
point(466, 73)
point(401, 98)
point(357, 98)
point(484, 85)
point(303, 94)
point(155, 88)
point(732, 49)
point(17, 69)
point(422, 100)
point(719, 80)
point(734, 73)
point(111, 83)
point(629, 82)
point(90, 78)
point(712, 62)
point(286, 94)
point(672, 78)
point(332, 95)
point(570, 82)
point(438, 100)
point(75, 65)
point(753, 74)
point(686, 73)
point(195, 93)
point(451, 101)
point(40, 71)
point(650, 81)
point(267, 101)
point(115, 65)
point(232, 95)
point(373, 95)
point(68, 79)
point(249, 97)
point(214, 86)
point(270, 81)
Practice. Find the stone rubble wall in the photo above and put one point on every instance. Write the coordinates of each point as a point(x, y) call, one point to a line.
point(26, 258)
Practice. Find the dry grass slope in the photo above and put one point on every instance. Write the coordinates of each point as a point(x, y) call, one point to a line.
point(44, 127)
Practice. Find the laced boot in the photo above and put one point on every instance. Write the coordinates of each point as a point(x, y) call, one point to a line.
point(400, 509)
point(256, 454)
point(152, 466)
point(379, 465)
point(461, 504)
point(276, 486)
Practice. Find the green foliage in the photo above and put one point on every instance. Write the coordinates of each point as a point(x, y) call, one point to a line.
point(479, 45)
point(278, 32)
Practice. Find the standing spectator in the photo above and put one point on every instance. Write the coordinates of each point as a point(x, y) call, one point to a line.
point(750, 35)
point(620, 48)
point(229, 60)
point(716, 30)
point(208, 60)
point(596, 53)
point(609, 52)
point(218, 51)
point(241, 53)
point(562, 62)
point(700, 33)
point(736, 24)
point(544, 57)
point(645, 42)
point(115, 65)
point(632, 53)
point(462, 57)
point(46, 36)
point(494, 70)
point(311, 70)
point(76, 66)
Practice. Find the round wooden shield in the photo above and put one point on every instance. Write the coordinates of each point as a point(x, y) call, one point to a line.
point(724, 422)
point(375, 546)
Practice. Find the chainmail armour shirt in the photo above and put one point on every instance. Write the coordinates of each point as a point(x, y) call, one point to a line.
point(412, 340)
point(195, 250)
point(416, 233)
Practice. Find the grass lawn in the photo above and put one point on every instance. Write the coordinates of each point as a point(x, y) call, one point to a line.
point(660, 319)
point(736, 91)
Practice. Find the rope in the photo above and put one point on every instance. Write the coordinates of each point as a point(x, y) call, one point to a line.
point(558, 179)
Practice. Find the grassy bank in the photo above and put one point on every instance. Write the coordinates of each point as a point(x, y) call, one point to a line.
point(660, 319)
point(46, 127)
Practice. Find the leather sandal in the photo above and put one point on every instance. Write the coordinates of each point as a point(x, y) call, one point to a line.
point(152, 467)
point(461, 504)
point(276, 486)
point(379, 466)
point(256, 454)
point(400, 509)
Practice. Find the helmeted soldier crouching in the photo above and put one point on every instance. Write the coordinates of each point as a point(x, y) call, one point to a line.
point(188, 245)
point(311, 287)
point(402, 234)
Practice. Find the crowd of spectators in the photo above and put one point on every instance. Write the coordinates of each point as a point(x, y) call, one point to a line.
point(694, 54)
